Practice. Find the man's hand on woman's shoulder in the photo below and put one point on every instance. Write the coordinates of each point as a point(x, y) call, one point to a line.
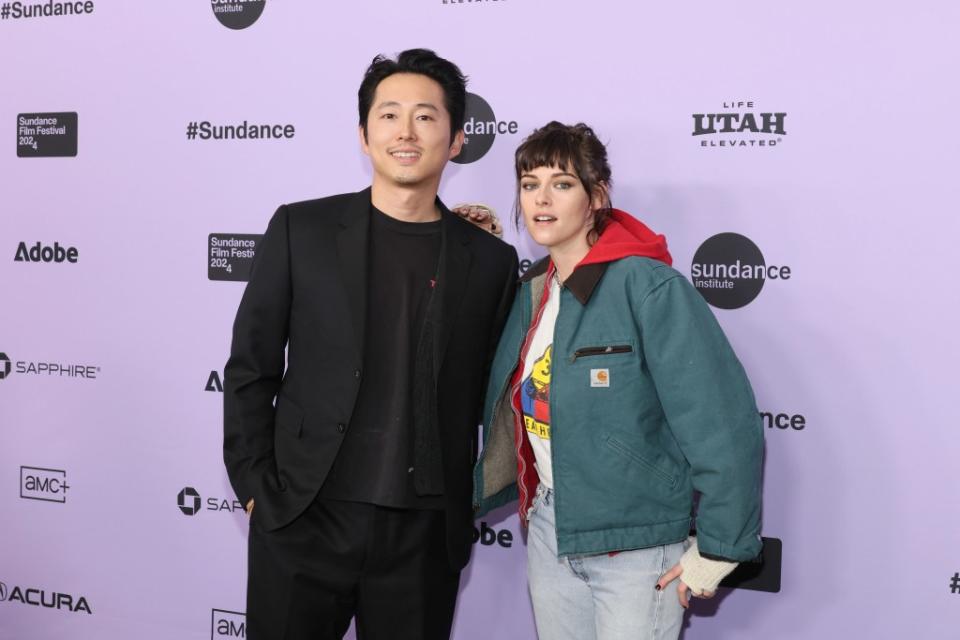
point(480, 215)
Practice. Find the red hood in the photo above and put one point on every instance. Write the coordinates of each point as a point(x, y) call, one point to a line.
point(626, 236)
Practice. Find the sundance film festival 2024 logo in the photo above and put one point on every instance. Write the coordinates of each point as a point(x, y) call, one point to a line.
point(230, 255)
point(47, 135)
point(480, 129)
point(739, 125)
point(237, 14)
point(729, 271)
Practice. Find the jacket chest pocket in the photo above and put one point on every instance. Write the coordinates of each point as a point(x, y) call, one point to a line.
point(600, 350)
point(611, 363)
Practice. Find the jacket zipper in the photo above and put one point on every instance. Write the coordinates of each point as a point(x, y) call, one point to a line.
point(553, 423)
point(599, 351)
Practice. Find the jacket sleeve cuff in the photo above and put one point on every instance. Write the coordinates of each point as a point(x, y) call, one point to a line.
point(702, 574)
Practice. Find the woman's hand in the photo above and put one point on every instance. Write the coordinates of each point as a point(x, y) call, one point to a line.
point(683, 591)
point(482, 216)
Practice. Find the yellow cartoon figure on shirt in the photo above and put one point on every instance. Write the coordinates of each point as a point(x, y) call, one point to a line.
point(535, 397)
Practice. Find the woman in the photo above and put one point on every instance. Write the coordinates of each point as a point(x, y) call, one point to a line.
point(613, 398)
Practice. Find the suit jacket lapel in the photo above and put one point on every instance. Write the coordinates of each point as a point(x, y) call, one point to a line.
point(352, 248)
point(455, 261)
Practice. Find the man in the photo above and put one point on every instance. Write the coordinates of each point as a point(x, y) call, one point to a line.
point(354, 453)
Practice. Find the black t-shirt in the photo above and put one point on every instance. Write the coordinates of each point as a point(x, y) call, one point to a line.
point(375, 460)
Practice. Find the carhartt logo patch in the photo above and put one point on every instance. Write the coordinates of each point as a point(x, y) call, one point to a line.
point(599, 377)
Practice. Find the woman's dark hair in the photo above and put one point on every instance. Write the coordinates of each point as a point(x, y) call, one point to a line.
point(574, 148)
point(425, 63)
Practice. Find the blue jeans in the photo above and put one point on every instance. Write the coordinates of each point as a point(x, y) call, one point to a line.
point(599, 596)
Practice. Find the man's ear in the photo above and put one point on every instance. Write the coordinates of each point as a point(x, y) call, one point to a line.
point(363, 140)
point(456, 146)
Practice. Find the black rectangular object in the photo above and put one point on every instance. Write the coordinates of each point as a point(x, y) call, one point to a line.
point(47, 135)
point(230, 255)
point(763, 575)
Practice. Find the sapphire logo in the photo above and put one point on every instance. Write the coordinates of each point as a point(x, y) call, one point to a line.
point(47, 369)
point(237, 14)
point(189, 501)
point(480, 129)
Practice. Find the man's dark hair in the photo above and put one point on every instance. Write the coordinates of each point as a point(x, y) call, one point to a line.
point(426, 63)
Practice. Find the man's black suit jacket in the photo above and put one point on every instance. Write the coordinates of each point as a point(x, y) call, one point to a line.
point(285, 418)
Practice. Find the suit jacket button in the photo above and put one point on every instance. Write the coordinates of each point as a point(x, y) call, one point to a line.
point(356, 373)
point(341, 427)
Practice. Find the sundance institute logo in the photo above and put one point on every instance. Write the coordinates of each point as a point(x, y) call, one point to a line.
point(237, 14)
point(480, 129)
point(729, 271)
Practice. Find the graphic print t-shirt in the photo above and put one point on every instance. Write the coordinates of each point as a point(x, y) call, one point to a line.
point(535, 385)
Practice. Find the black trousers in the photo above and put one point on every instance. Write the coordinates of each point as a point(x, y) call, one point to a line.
point(387, 567)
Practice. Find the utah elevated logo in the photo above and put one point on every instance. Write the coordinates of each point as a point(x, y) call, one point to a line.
point(739, 126)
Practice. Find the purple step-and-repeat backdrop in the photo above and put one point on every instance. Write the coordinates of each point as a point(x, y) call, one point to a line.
point(800, 160)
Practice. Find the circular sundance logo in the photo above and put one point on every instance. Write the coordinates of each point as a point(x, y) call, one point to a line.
point(4, 366)
point(237, 14)
point(480, 129)
point(729, 271)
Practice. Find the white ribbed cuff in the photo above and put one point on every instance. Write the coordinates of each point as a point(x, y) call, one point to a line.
point(702, 574)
